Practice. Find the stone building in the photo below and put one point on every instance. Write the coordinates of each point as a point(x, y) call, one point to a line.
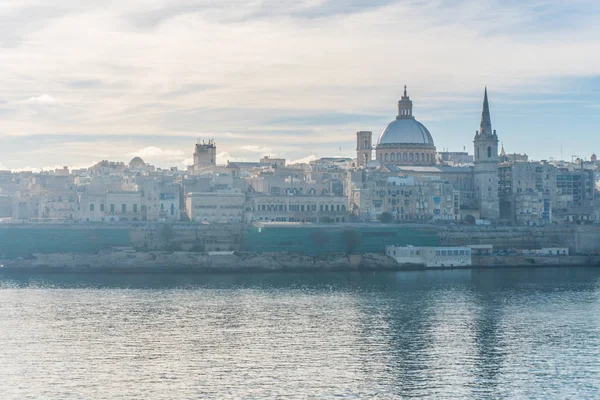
point(216, 207)
point(273, 162)
point(205, 155)
point(123, 206)
point(527, 192)
point(405, 198)
point(160, 200)
point(301, 208)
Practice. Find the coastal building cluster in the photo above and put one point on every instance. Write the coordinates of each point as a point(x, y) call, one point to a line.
point(398, 177)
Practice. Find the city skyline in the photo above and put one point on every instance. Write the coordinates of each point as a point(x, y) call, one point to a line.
point(116, 81)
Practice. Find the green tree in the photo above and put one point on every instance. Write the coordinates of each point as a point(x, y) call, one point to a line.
point(351, 240)
point(385, 217)
point(166, 234)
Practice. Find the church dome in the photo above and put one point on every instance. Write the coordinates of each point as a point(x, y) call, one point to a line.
point(406, 141)
point(136, 162)
point(405, 131)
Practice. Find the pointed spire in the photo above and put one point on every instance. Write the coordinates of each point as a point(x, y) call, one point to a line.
point(485, 128)
point(502, 152)
point(405, 95)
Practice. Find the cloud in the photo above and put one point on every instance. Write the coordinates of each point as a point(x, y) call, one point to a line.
point(294, 77)
point(44, 99)
point(157, 155)
point(257, 149)
point(224, 157)
point(304, 160)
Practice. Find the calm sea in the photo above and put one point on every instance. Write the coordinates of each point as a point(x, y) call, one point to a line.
point(504, 334)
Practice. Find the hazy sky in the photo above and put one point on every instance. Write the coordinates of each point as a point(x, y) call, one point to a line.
point(82, 81)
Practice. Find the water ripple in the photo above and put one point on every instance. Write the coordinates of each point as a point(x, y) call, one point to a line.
point(437, 334)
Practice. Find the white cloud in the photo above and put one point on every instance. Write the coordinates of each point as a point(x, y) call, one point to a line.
point(275, 59)
point(186, 162)
point(224, 157)
point(304, 160)
point(161, 157)
point(157, 152)
point(258, 149)
point(44, 99)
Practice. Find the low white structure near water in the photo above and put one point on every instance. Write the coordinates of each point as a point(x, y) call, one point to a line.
point(430, 256)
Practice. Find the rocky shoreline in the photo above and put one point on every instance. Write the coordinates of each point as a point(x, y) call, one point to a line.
point(240, 262)
point(163, 260)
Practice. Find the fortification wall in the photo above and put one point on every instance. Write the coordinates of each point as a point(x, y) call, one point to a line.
point(22, 240)
point(580, 239)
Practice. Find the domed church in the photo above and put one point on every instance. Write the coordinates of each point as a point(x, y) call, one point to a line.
point(405, 141)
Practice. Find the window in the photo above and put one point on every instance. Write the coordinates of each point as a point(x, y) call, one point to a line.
point(102, 207)
point(405, 157)
point(135, 208)
point(385, 157)
point(422, 157)
point(411, 157)
point(123, 208)
point(112, 208)
point(92, 207)
point(489, 151)
point(392, 157)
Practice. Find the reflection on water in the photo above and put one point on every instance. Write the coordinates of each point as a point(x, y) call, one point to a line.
point(523, 333)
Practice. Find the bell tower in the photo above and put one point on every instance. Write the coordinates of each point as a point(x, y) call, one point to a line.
point(486, 165)
point(364, 147)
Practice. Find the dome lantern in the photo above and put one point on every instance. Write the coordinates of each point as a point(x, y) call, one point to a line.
point(405, 106)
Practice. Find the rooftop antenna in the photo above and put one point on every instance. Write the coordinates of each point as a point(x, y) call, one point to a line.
point(561, 153)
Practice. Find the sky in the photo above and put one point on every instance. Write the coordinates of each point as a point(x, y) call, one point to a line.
point(82, 81)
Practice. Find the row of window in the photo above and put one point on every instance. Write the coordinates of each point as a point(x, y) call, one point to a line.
point(453, 252)
point(134, 208)
point(424, 157)
point(291, 219)
point(301, 207)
